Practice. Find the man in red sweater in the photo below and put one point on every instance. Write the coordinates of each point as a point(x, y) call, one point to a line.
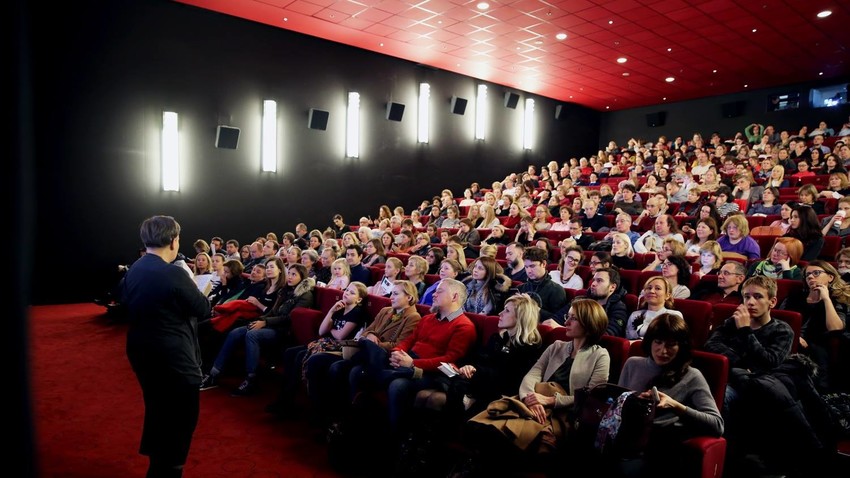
point(447, 335)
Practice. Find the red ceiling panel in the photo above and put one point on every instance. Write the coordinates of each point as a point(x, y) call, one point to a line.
point(513, 43)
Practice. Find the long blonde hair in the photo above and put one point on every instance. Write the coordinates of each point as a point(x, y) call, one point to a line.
point(488, 214)
point(527, 312)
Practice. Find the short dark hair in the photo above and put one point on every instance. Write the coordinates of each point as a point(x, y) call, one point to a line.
point(159, 231)
point(356, 247)
point(613, 275)
point(535, 254)
point(629, 187)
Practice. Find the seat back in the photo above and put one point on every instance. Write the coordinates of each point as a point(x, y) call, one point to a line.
point(326, 298)
point(697, 314)
point(485, 326)
point(374, 304)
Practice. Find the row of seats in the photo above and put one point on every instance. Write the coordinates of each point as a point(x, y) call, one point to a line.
point(707, 453)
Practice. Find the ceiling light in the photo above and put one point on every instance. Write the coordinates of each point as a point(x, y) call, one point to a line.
point(824, 13)
point(714, 71)
point(625, 73)
point(622, 59)
point(746, 86)
point(561, 36)
point(755, 30)
point(664, 99)
point(483, 5)
point(669, 79)
point(610, 22)
point(607, 107)
point(285, 19)
point(820, 74)
point(669, 49)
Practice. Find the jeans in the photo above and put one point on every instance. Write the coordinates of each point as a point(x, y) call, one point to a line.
point(253, 339)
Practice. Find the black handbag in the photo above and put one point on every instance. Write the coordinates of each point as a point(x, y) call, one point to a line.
point(613, 420)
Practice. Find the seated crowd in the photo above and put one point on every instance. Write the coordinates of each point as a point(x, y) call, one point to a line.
point(624, 246)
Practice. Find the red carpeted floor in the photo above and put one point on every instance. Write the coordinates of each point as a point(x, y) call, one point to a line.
point(88, 411)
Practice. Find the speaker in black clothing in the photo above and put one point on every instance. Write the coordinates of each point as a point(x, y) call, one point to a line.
point(395, 111)
point(654, 120)
point(318, 119)
point(511, 100)
point(458, 105)
point(226, 137)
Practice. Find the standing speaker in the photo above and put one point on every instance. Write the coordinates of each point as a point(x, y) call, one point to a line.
point(458, 105)
point(655, 119)
point(733, 109)
point(226, 137)
point(395, 111)
point(511, 100)
point(318, 119)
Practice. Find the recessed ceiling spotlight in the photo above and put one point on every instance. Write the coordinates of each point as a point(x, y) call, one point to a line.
point(626, 73)
point(483, 5)
point(669, 79)
point(669, 49)
point(607, 107)
point(622, 59)
point(714, 71)
point(610, 22)
point(561, 36)
point(824, 13)
point(285, 19)
point(571, 96)
point(746, 86)
point(755, 30)
point(380, 44)
point(664, 99)
point(820, 74)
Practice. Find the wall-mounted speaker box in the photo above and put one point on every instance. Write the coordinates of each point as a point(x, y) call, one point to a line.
point(226, 137)
point(395, 111)
point(733, 109)
point(560, 112)
point(458, 105)
point(654, 120)
point(318, 119)
point(511, 100)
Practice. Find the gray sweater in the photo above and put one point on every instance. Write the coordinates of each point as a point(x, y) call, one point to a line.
point(691, 391)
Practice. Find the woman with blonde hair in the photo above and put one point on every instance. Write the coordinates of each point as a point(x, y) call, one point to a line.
point(392, 273)
point(671, 247)
point(781, 262)
point(656, 299)
point(415, 271)
point(527, 233)
point(777, 178)
point(710, 259)
point(474, 214)
point(542, 218)
point(350, 238)
point(622, 253)
point(488, 250)
point(203, 264)
point(455, 251)
point(488, 218)
point(839, 186)
point(736, 237)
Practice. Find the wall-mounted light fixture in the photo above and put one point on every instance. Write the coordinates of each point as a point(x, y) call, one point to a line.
point(528, 125)
point(170, 152)
point(482, 116)
point(352, 127)
point(269, 139)
point(424, 112)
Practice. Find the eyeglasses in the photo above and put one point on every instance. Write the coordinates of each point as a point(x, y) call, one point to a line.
point(727, 273)
point(573, 259)
point(816, 273)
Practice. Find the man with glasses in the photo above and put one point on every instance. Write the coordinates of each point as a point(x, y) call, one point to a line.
point(646, 220)
point(550, 296)
point(577, 234)
point(727, 289)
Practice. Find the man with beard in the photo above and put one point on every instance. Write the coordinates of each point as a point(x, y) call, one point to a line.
point(514, 253)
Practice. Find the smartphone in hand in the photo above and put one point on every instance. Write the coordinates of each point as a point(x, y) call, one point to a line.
point(655, 397)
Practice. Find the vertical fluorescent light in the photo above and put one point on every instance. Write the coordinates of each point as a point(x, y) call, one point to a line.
point(269, 151)
point(424, 112)
point(170, 152)
point(481, 113)
point(528, 126)
point(352, 130)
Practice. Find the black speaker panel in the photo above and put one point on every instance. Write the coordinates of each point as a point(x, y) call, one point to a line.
point(458, 105)
point(560, 112)
point(318, 119)
point(226, 137)
point(733, 109)
point(654, 120)
point(511, 100)
point(395, 111)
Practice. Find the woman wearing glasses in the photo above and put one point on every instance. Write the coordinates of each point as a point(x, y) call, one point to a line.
point(566, 275)
point(824, 303)
point(781, 262)
point(677, 271)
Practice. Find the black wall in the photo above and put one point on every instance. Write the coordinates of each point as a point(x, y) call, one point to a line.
point(705, 115)
point(110, 69)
